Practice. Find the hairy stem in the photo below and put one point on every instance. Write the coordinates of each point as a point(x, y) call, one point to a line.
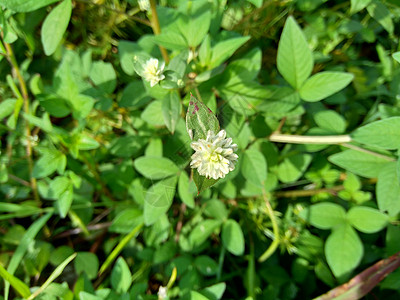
point(155, 24)
point(24, 92)
point(304, 139)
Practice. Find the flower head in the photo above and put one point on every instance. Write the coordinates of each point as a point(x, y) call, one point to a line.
point(144, 5)
point(152, 72)
point(162, 292)
point(214, 157)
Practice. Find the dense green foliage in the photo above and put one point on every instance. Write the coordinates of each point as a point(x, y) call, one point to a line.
point(101, 99)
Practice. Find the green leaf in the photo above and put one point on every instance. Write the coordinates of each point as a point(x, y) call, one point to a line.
point(254, 167)
point(7, 107)
point(323, 85)
point(324, 215)
point(127, 50)
point(183, 190)
point(205, 51)
point(396, 56)
point(103, 76)
point(223, 50)
point(171, 40)
point(194, 27)
point(343, 250)
point(27, 240)
point(214, 291)
point(206, 265)
point(134, 95)
point(55, 105)
point(200, 119)
point(17, 284)
point(25, 5)
point(216, 209)
point(294, 59)
point(50, 161)
point(357, 5)
point(197, 296)
point(367, 219)
point(383, 134)
point(62, 191)
point(381, 14)
point(330, 120)
point(117, 250)
point(126, 220)
point(171, 109)
point(127, 146)
point(232, 237)
point(202, 182)
point(88, 263)
point(293, 167)
point(159, 199)
point(154, 167)
point(121, 277)
point(202, 231)
point(360, 163)
point(81, 105)
point(388, 189)
point(55, 25)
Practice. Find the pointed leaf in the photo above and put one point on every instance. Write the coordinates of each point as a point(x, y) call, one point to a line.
point(324, 215)
point(388, 190)
point(232, 237)
point(294, 59)
point(171, 109)
point(154, 167)
point(254, 167)
point(367, 219)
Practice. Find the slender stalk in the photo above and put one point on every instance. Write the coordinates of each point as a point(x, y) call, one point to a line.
point(24, 92)
point(275, 243)
point(155, 24)
point(307, 193)
point(304, 139)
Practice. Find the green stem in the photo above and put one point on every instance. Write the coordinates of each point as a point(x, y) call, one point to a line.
point(5, 47)
point(155, 24)
point(221, 262)
point(275, 243)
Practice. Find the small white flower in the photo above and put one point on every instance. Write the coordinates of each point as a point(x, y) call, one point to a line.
point(214, 157)
point(153, 73)
point(144, 5)
point(162, 292)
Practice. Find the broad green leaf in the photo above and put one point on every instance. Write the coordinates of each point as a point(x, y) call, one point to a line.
point(232, 237)
point(171, 109)
point(25, 5)
point(50, 161)
point(60, 254)
point(103, 76)
point(343, 250)
point(359, 163)
point(223, 50)
point(194, 27)
point(43, 123)
point(367, 219)
point(294, 59)
point(330, 120)
point(381, 14)
point(388, 190)
point(206, 265)
point(127, 50)
point(7, 107)
point(254, 167)
point(293, 167)
point(383, 134)
point(171, 40)
point(216, 209)
point(55, 25)
point(197, 296)
point(134, 95)
point(205, 51)
point(202, 182)
point(152, 114)
point(55, 105)
point(199, 120)
point(121, 277)
point(202, 231)
point(62, 191)
point(215, 291)
point(154, 167)
point(357, 5)
point(127, 146)
point(324, 215)
point(126, 220)
point(183, 190)
point(17, 284)
point(396, 56)
point(81, 105)
point(159, 199)
point(27, 241)
point(323, 85)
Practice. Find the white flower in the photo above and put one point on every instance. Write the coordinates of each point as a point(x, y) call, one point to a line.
point(162, 292)
point(144, 5)
point(214, 156)
point(153, 73)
